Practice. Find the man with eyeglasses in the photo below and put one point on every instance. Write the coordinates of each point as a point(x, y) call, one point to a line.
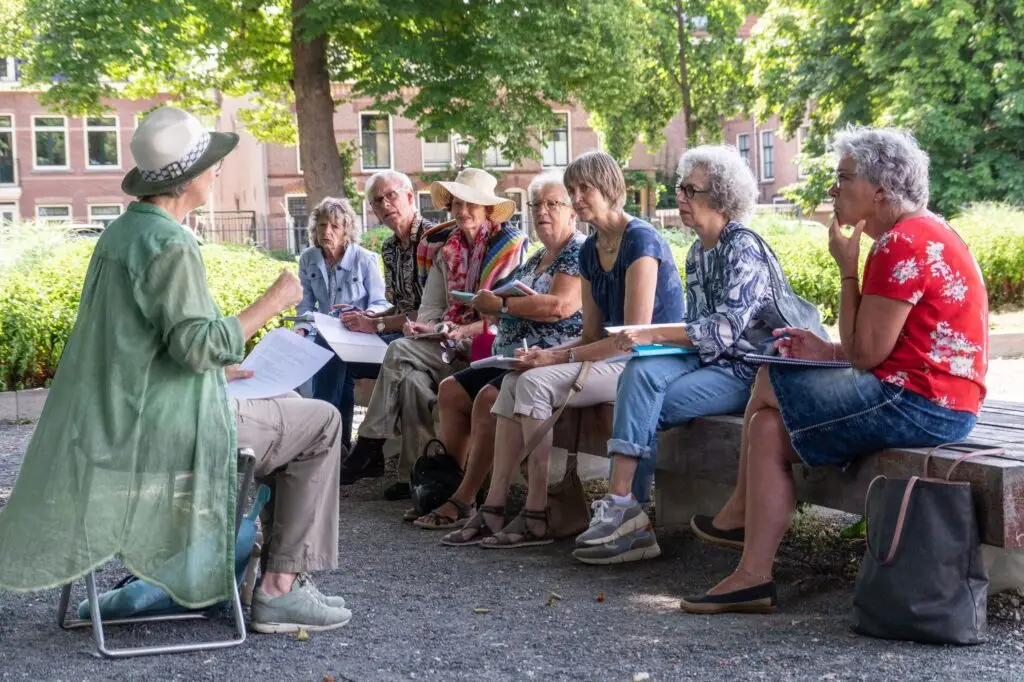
point(392, 200)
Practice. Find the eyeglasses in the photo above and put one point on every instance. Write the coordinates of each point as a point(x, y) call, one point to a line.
point(391, 197)
point(549, 205)
point(217, 166)
point(689, 190)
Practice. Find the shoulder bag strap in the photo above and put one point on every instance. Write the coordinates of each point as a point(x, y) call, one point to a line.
point(977, 453)
point(577, 385)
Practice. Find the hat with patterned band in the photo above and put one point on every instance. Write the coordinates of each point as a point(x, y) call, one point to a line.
point(170, 147)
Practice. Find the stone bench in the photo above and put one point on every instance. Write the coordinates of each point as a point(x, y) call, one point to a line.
point(698, 463)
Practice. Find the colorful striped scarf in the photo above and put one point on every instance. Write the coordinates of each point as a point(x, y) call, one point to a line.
point(494, 254)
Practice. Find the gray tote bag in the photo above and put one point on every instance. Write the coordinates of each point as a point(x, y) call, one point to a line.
point(922, 577)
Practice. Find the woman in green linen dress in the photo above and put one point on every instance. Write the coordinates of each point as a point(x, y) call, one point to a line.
point(134, 454)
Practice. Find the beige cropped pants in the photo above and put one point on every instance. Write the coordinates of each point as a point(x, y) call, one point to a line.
point(538, 392)
point(298, 455)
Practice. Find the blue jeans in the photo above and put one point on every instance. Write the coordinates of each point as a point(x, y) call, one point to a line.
point(335, 383)
point(663, 391)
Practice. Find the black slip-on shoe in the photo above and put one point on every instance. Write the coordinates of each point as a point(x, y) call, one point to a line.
point(704, 528)
point(398, 491)
point(758, 599)
point(365, 461)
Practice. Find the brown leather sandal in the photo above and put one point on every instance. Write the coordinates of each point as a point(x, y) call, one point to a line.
point(518, 533)
point(435, 520)
point(477, 524)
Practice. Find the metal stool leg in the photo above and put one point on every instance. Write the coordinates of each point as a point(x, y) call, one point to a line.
point(247, 467)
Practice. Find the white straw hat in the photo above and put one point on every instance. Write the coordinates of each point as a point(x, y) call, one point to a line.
point(171, 146)
point(473, 186)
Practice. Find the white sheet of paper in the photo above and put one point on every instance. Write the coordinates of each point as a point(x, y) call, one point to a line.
point(496, 361)
point(281, 361)
point(350, 346)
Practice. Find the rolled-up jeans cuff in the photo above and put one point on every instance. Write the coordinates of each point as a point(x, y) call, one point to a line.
point(617, 446)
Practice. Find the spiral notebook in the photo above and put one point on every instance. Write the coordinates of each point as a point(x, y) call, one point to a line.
point(757, 359)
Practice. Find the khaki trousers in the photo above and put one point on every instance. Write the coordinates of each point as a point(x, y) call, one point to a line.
point(298, 454)
point(404, 396)
point(538, 392)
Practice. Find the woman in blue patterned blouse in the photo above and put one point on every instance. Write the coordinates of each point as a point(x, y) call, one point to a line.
point(548, 319)
point(727, 285)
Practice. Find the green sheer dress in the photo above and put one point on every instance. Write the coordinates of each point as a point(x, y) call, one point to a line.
point(134, 454)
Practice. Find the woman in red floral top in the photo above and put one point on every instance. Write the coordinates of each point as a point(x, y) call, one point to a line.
point(915, 332)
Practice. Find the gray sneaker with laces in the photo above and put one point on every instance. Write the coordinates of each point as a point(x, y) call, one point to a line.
point(611, 521)
point(297, 609)
point(305, 582)
point(636, 546)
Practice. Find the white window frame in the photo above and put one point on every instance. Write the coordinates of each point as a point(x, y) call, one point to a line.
point(760, 146)
point(419, 206)
point(433, 166)
point(391, 142)
point(801, 138)
point(12, 72)
point(12, 207)
point(739, 149)
point(14, 150)
point(497, 149)
point(51, 129)
point(524, 212)
point(116, 129)
point(298, 158)
point(288, 215)
point(71, 217)
point(90, 207)
point(568, 140)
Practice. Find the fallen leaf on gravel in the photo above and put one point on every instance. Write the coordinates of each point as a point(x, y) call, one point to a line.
point(554, 595)
point(552, 601)
point(301, 635)
point(481, 609)
point(640, 677)
point(599, 598)
point(328, 678)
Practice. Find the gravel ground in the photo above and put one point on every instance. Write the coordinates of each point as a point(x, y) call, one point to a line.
point(415, 618)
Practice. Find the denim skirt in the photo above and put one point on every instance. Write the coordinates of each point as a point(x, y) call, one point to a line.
point(835, 415)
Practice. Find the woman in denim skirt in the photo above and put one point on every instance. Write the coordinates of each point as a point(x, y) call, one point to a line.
point(915, 331)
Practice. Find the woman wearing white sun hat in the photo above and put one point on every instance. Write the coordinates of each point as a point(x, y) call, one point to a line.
point(134, 454)
point(481, 248)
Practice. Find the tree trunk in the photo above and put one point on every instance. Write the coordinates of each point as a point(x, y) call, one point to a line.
point(314, 109)
point(684, 81)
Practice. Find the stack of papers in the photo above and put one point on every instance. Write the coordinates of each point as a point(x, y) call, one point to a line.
point(350, 346)
point(757, 359)
point(281, 361)
point(495, 361)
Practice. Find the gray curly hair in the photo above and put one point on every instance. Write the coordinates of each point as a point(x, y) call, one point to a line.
point(545, 179)
point(337, 212)
point(731, 184)
point(889, 158)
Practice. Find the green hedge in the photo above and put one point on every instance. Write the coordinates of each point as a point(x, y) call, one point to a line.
point(41, 276)
point(39, 296)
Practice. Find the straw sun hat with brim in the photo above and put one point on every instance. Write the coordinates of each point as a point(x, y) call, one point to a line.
point(170, 147)
point(473, 186)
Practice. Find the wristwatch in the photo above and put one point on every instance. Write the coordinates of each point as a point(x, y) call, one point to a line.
point(381, 326)
point(504, 305)
point(570, 356)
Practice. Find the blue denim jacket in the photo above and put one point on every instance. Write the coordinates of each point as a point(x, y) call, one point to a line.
point(357, 278)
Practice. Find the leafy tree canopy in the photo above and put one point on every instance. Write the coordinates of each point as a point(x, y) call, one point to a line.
point(952, 71)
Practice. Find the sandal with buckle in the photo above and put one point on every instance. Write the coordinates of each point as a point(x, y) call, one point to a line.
point(478, 525)
point(518, 533)
point(435, 520)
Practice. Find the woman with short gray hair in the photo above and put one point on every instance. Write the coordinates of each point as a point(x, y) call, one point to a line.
point(914, 330)
point(338, 275)
point(729, 284)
